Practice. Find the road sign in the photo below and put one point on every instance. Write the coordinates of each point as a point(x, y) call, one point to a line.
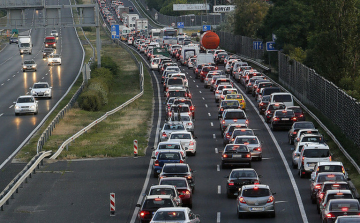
point(258, 45)
point(206, 28)
point(115, 32)
point(180, 25)
point(270, 46)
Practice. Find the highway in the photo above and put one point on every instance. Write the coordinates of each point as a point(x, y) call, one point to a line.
point(13, 82)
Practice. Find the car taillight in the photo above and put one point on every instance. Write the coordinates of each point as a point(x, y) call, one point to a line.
point(231, 183)
point(228, 135)
point(242, 200)
point(225, 156)
point(261, 104)
point(181, 161)
point(329, 158)
point(330, 215)
point(268, 112)
point(248, 155)
point(192, 108)
point(302, 160)
point(196, 70)
point(321, 196)
point(247, 122)
point(201, 72)
point(258, 90)
point(156, 163)
point(217, 91)
point(221, 109)
point(144, 213)
point(191, 143)
point(318, 186)
point(343, 170)
point(294, 133)
point(294, 119)
point(189, 177)
point(223, 122)
point(258, 149)
point(276, 119)
point(164, 134)
point(271, 199)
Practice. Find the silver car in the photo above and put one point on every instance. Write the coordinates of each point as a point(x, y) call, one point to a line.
point(185, 119)
point(170, 127)
point(253, 143)
point(255, 199)
point(29, 65)
point(175, 214)
point(26, 104)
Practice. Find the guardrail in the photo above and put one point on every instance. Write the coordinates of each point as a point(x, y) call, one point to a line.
point(351, 160)
point(17, 182)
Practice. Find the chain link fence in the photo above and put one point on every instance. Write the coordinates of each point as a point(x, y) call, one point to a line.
point(313, 89)
point(241, 45)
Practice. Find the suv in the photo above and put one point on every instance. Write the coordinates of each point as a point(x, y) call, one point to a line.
point(312, 153)
point(232, 116)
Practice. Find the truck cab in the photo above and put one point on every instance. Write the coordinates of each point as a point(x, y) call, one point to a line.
point(50, 42)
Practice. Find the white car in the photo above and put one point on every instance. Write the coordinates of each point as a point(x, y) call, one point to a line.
point(186, 119)
point(175, 214)
point(54, 59)
point(170, 127)
point(26, 104)
point(29, 65)
point(186, 139)
point(41, 89)
point(54, 32)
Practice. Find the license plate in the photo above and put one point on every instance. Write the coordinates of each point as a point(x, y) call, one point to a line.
point(285, 119)
point(25, 110)
point(237, 156)
point(311, 164)
point(256, 209)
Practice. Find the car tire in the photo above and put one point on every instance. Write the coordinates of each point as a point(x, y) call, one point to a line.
point(16, 114)
point(260, 158)
point(313, 200)
point(318, 209)
point(155, 175)
point(272, 215)
point(35, 113)
point(223, 166)
point(190, 205)
point(301, 175)
point(294, 166)
point(229, 195)
point(272, 127)
point(193, 190)
point(23, 70)
point(194, 154)
point(239, 215)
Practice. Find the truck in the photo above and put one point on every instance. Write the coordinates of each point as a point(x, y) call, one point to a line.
point(25, 44)
point(131, 21)
point(120, 10)
point(204, 58)
point(141, 25)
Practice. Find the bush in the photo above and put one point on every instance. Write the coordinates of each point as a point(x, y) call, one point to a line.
point(109, 63)
point(104, 74)
point(90, 100)
point(101, 88)
point(87, 29)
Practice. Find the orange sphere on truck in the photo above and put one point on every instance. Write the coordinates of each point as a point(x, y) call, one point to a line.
point(210, 40)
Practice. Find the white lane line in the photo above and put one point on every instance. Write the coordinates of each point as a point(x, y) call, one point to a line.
point(214, 136)
point(197, 85)
point(14, 75)
point(216, 150)
point(200, 92)
point(292, 179)
point(42, 77)
point(11, 106)
point(219, 189)
point(1, 114)
point(2, 84)
point(206, 105)
point(218, 168)
point(190, 76)
point(46, 74)
point(187, 73)
point(8, 79)
point(194, 81)
point(218, 215)
point(212, 124)
point(203, 98)
point(209, 114)
point(276, 202)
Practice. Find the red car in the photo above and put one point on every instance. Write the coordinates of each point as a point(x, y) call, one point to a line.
point(206, 70)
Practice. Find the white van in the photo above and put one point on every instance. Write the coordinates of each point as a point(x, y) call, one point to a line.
point(311, 154)
point(188, 51)
point(283, 97)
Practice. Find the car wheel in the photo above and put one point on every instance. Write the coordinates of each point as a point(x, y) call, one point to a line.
point(272, 215)
point(155, 174)
point(313, 200)
point(318, 209)
point(35, 113)
point(23, 70)
point(193, 190)
point(228, 194)
point(194, 154)
point(239, 215)
point(301, 175)
point(190, 205)
point(223, 166)
point(260, 158)
point(16, 114)
point(272, 127)
point(294, 166)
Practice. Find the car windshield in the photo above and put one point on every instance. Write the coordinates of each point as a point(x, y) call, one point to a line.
point(234, 96)
point(315, 153)
point(235, 115)
point(41, 86)
point(175, 169)
point(168, 156)
point(246, 141)
point(29, 62)
point(162, 191)
point(312, 139)
point(330, 168)
point(180, 136)
point(256, 192)
point(177, 183)
point(339, 196)
point(169, 216)
point(242, 173)
point(180, 109)
point(157, 203)
point(242, 132)
point(25, 100)
point(344, 206)
point(331, 177)
point(277, 106)
point(236, 148)
point(304, 125)
point(177, 93)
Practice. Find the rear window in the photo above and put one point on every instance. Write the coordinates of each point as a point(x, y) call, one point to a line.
point(168, 156)
point(175, 81)
point(262, 85)
point(177, 183)
point(312, 139)
point(331, 177)
point(339, 196)
point(177, 94)
point(162, 191)
point(169, 146)
point(236, 148)
point(230, 104)
point(344, 206)
point(175, 169)
point(257, 192)
point(174, 126)
point(277, 107)
point(316, 153)
point(284, 113)
point(243, 173)
point(169, 215)
point(242, 132)
point(268, 91)
point(234, 96)
point(235, 115)
point(180, 136)
point(306, 125)
point(282, 98)
point(180, 109)
point(206, 69)
point(157, 203)
point(336, 187)
point(247, 140)
point(330, 168)
point(183, 102)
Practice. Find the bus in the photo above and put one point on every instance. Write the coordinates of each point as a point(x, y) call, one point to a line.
point(168, 35)
point(155, 34)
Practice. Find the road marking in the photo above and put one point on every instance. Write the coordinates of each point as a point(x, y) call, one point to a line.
point(8, 79)
point(209, 114)
point(42, 77)
point(280, 202)
point(212, 124)
point(292, 179)
point(216, 150)
point(200, 92)
point(197, 85)
point(206, 105)
point(203, 98)
point(46, 74)
point(11, 106)
point(218, 215)
point(1, 114)
point(219, 189)
point(2, 84)
point(218, 168)
point(266, 158)
point(214, 136)
point(14, 75)
point(194, 80)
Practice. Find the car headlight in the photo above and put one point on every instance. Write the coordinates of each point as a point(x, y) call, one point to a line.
point(54, 44)
point(24, 67)
point(32, 106)
point(34, 66)
point(21, 50)
point(17, 107)
point(47, 91)
point(46, 44)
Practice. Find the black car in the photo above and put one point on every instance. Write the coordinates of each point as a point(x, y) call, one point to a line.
point(131, 9)
point(263, 104)
point(271, 109)
point(299, 113)
point(179, 170)
point(296, 127)
point(13, 40)
point(151, 204)
point(240, 177)
point(282, 119)
point(227, 104)
point(47, 52)
point(235, 154)
point(188, 102)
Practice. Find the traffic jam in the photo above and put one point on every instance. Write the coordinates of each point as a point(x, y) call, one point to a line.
point(183, 68)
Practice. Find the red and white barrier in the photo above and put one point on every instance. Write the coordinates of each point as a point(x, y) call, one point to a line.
point(112, 204)
point(135, 148)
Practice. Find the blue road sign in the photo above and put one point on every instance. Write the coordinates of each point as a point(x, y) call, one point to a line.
point(115, 32)
point(258, 45)
point(270, 46)
point(206, 28)
point(180, 25)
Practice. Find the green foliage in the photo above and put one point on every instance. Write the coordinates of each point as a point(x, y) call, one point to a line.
point(109, 63)
point(87, 29)
point(90, 100)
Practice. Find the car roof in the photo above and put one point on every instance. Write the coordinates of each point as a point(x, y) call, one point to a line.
point(174, 209)
point(242, 169)
point(174, 178)
point(323, 163)
point(170, 142)
point(169, 151)
point(162, 186)
point(176, 164)
point(181, 132)
point(41, 83)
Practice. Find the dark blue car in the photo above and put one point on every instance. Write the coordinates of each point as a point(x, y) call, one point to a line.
point(166, 156)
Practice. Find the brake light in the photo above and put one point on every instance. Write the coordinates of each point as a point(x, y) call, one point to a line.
point(294, 119)
point(342, 170)
point(261, 104)
point(318, 186)
point(201, 72)
point(271, 199)
point(258, 149)
point(242, 200)
point(221, 109)
point(268, 112)
point(144, 213)
point(223, 122)
point(189, 177)
point(294, 133)
point(196, 70)
point(248, 155)
point(181, 161)
point(345, 209)
point(228, 135)
point(225, 156)
point(276, 119)
point(156, 163)
point(302, 160)
point(217, 91)
point(191, 143)
point(330, 215)
point(247, 122)
point(231, 183)
point(321, 196)
point(164, 134)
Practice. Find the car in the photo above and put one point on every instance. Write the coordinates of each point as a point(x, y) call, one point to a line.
point(170, 127)
point(29, 65)
point(330, 166)
point(255, 199)
point(151, 204)
point(182, 186)
point(227, 104)
point(54, 33)
point(186, 139)
point(348, 219)
point(220, 88)
point(131, 9)
point(338, 190)
point(241, 132)
point(263, 104)
point(54, 59)
point(215, 83)
point(13, 40)
point(50, 41)
point(309, 136)
point(179, 170)
point(47, 52)
point(232, 116)
point(180, 92)
point(220, 57)
point(250, 84)
point(240, 177)
point(271, 109)
point(178, 109)
point(253, 143)
point(229, 130)
point(26, 104)
point(168, 146)
point(339, 207)
point(178, 215)
point(259, 85)
point(299, 113)
point(41, 89)
point(316, 184)
point(296, 127)
point(238, 97)
point(186, 120)
point(204, 72)
point(166, 156)
point(311, 154)
point(227, 91)
point(188, 102)
point(166, 190)
point(282, 119)
point(235, 154)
